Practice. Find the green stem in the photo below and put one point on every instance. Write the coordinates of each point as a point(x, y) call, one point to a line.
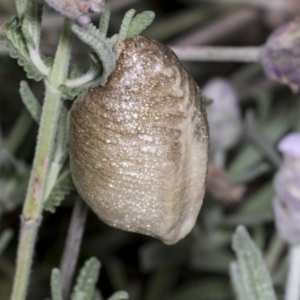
point(274, 252)
point(33, 206)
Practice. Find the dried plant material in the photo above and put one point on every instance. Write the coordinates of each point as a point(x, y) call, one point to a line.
point(139, 144)
point(77, 9)
point(219, 186)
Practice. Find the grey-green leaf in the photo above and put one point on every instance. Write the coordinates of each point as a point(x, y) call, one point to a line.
point(21, 6)
point(254, 275)
point(139, 23)
point(14, 41)
point(63, 186)
point(125, 25)
point(30, 101)
point(32, 23)
point(85, 285)
point(56, 290)
point(119, 296)
point(237, 282)
point(104, 21)
point(80, 83)
point(104, 50)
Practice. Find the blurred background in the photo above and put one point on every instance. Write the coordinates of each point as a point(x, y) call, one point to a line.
point(248, 117)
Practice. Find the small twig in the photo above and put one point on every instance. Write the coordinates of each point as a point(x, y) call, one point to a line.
point(72, 245)
point(235, 54)
point(219, 29)
point(274, 252)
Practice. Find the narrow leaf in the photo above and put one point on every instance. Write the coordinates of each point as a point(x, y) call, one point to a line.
point(254, 274)
point(63, 186)
point(5, 238)
point(32, 23)
point(56, 290)
point(237, 283)
point(14, 41)
point(104, 21)
point(91, 36)
point(119, 296)
point(21, 6)
point(85, 285)
point(30, 101)
point(91, 78)
point(140, 23)
point(125, 24)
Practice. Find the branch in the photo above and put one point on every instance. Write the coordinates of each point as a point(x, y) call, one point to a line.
point(34, 201)
point(225, 54)
point(72, 245)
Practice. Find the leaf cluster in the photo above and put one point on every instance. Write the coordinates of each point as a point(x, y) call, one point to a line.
point(84, 288)
point(13, 38)
point(103, 57)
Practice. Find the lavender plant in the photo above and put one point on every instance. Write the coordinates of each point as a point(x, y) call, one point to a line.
point(50, 178)
point(21, 36)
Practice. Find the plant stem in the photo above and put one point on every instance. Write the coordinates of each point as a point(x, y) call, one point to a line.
point(72, 245)
point(33, 206)
point(276, 248)
point(225, 54)
point(293, 280)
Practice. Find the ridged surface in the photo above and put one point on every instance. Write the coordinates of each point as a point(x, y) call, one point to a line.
point(139, 145)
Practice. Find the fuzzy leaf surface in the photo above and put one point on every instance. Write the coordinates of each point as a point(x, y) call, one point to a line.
point(102, 47)
point(14, 41)
point(63, 186)
point(125, 25)
point(236, 281)
point(56, 290)
point(88, 276)
point(139, 23)
point(256, 279)
point(104, 21)
point(32, 23)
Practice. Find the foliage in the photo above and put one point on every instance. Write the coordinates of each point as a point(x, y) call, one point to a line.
point(249, 275)
point(198, 267)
